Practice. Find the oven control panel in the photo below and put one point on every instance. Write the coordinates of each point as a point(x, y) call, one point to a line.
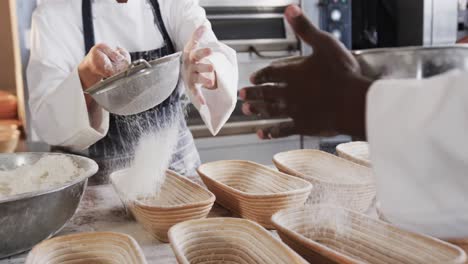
point(335, 18)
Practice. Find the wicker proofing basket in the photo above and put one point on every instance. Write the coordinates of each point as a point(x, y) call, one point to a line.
point(330, 234)
point(81, 248)
point(9, 140)
point(336, 180)
point(228, 240)
point(357, 151)
point(460, 242)
point(179, 200)
point(251, 190)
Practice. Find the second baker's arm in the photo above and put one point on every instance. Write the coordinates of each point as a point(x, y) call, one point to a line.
point(417, 135)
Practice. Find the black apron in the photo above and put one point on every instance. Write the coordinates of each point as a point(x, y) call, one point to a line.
point(116, 150)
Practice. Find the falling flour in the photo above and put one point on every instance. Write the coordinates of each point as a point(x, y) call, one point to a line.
point(148, 170)
point(49, 171)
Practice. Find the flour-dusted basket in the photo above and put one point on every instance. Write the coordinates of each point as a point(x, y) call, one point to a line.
point(179, 200)
point(357, 151)
point(93, 247)
point(460, 242)
point(330, 234)
point(336, 180)
point(251, 190)
point(228, 240)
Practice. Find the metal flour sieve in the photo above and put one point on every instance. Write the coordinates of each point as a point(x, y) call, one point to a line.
point(142, 86)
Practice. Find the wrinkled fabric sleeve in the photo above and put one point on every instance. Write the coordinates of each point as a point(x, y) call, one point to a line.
point(59, 112)
point(417, 130)
point(182, 18)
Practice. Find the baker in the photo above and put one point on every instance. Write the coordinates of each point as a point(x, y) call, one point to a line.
point(416, 128)
point(75, 44)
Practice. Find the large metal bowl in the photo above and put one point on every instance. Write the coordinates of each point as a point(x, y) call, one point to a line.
point(411, 62)
point(28, 218)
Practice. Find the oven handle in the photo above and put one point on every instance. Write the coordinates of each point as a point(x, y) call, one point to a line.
point(246, 16)
point(263, 56)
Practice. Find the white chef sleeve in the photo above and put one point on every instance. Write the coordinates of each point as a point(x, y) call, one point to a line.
point(417, 130)
point(182, 17)
point(58, 109)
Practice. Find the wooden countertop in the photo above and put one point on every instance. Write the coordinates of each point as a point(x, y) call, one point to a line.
point(101, 210)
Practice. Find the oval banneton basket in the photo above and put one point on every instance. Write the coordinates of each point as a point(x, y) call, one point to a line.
point(251, 190)
point(93, 247)
point(228, 240)
point(330, 234)
point(335, 180)
point(357, 151)
point(179, 200)
point(459, 242)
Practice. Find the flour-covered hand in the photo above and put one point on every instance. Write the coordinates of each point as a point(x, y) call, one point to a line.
point(198, 72)
point(102, 61)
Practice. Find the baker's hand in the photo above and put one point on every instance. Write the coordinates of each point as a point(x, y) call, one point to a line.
point(197, 71)
point(324, 93)
point(102, 62)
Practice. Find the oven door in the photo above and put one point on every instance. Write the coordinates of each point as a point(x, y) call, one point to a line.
point(252, 28)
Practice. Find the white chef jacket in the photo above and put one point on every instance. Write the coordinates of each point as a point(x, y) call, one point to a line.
point(57, 104)
point(418, 136)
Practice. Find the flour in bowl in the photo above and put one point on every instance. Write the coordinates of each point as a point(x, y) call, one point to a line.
point(49, 171)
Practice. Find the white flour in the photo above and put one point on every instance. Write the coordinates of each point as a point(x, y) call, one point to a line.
point(148, 171)
point(48, 172)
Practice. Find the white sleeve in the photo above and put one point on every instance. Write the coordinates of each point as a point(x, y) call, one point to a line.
point(184, 16)
point(58, 109)
point(417, 130)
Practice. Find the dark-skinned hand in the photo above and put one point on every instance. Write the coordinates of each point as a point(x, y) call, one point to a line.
point(323, 93)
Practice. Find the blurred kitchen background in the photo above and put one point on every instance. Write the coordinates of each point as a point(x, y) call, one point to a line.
point(257, 30)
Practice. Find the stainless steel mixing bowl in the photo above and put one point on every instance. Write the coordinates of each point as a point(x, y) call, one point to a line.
point(26, 219)
point(412, 62)
point(406, 62)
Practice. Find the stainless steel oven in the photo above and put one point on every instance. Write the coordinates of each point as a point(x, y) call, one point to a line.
point(259, 32)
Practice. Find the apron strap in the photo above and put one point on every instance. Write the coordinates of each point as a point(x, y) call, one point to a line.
point(88, 28)
point(158, 20)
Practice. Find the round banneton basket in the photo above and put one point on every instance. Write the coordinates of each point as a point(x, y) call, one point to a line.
point(81, 248)
point(251, 190)
point(335, 180)
point(228, 240)
point(330, 234)
point(179, 200)
point(357, 151)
